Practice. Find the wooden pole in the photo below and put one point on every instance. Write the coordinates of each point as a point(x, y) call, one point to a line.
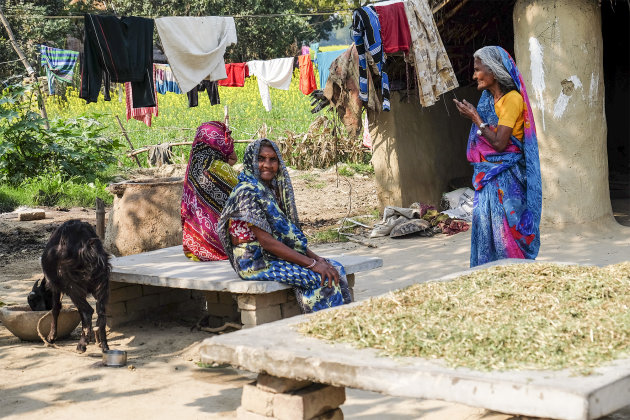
point(100, 218)
point(128, 141)
point(29, 68)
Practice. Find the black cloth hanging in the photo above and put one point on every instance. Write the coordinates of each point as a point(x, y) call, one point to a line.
point(118, 50)
point(213, 93)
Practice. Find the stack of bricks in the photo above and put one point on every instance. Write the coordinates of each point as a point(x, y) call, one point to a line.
point(259, 309)
point(131, 302)
point(287, 399)
point(222, 306)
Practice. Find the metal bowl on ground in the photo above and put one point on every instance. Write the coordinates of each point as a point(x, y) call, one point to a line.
point(115, 358)
point(22, 321)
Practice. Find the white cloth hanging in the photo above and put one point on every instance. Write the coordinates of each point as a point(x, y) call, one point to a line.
point(276, 73)
point(194, 47)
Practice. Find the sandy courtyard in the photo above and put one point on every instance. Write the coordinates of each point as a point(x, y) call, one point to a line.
point(162, 379)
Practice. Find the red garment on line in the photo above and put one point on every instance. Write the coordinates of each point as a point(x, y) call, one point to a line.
point(307, 76)
point(395, 32)
point(236, 74)
point(141, 114)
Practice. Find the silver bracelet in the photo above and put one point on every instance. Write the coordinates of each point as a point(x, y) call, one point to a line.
point(312, 264)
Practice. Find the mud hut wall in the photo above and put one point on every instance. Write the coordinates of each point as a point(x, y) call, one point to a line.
point(558, 47)
point(417, 151)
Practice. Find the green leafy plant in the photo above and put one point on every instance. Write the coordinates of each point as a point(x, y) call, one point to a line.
point(72, 147)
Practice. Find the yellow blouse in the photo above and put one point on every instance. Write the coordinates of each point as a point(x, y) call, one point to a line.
point(509, 109)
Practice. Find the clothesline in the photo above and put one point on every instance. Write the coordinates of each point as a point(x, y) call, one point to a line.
point(322, 13)
point(156, 17)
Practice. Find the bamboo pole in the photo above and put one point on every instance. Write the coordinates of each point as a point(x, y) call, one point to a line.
point(29, 68)
point(100, 218)
point(128, 141)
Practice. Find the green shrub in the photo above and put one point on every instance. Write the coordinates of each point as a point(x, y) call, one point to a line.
point(72, 147)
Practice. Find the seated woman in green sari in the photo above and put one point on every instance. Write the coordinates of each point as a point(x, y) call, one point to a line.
point(260, 232)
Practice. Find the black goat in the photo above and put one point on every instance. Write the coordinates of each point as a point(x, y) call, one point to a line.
point(75, 263)
point(40, 297)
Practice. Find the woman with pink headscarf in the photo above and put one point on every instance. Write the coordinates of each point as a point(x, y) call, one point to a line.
point(208, 183)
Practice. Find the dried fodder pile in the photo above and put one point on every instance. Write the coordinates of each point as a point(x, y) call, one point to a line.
point(523, 316)
point(320, 147)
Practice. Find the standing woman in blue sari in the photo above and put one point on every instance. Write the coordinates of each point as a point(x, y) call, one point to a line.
point(503, 149)
point(259, 229)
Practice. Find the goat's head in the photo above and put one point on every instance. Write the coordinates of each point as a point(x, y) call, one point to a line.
point(40, 297)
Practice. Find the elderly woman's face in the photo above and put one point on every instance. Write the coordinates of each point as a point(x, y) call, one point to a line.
point(485, 79)
point(268, 163)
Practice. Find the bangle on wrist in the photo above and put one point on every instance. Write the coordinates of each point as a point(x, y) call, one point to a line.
point(311, 265)
point(481, 126)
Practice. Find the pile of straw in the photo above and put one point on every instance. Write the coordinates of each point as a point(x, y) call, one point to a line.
point(522, 316)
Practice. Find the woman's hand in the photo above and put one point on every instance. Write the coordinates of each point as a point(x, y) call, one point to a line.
point(232, 159)
point(328, 273)
point(468, 110)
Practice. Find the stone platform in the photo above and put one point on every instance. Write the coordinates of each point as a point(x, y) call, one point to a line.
point(278, 350)
point(164, 281)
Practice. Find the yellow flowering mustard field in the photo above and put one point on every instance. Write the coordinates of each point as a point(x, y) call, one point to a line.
point(177, 122)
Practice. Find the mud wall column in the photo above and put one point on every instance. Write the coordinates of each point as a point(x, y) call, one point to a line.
point(559, 50)
point(417, 151)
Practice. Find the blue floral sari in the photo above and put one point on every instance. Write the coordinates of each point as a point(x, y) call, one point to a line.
point(508, 188)
point(254, 202)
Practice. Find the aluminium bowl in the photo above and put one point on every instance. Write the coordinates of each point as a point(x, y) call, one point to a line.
point(115, 358)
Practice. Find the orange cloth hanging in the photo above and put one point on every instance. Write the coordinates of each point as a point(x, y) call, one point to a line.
point(307, 76)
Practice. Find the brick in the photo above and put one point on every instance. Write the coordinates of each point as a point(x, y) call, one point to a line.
point(152, 290)
point(31, 215)
point(253, 302)
point(350, 278)
point(113, 285)
point(113, 309)
point(261, 316)
point(173, 296)
point(225, 298)
point(142, 303)
point(256, 400)
point(243, 414)
point(118, 320)
point(290, 309)
point(190, 307)
point(125, 293)
point(335, 414)
point(309, 402)
point(279, 385)
point(212, 297)
point(222, 309)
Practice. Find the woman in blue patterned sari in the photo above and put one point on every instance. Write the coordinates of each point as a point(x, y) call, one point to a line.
point(260, 232)
point(503, 149)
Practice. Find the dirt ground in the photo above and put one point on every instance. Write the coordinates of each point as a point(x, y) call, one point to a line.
point(321, 197)
point(162, 379)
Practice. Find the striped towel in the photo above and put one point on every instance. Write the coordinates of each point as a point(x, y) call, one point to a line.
point(141, 114)
point(59, 64)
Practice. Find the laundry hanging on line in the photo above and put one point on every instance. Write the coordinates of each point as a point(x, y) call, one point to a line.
point(236, 74)
point(118, 50)
point(366, 30)
point(164, 79)
point(59, 65)
point(274, 73)
point(324, 61)
point(307, 75)
point(195, 47)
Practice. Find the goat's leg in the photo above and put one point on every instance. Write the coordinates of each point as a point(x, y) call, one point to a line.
point(101, 322)
point(85, 311)
point(56, 308)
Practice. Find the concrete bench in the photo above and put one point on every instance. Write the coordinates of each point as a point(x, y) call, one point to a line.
point(302, 377)
point(166, 281)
